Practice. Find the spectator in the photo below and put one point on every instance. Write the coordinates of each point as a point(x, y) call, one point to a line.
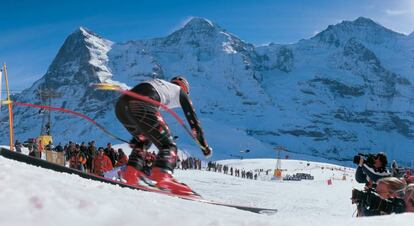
point(69, 150)
point(395, 172)
point(83, 148)
point(77, 160)
point(111, 153)
point(122, 158)
point(49, 146)
point(178, 163)
point(41, 148)
point(59, 147)
point(90, 155)
point(36, 151)
point(18, 146)
point(101, 163)
point(30, 146)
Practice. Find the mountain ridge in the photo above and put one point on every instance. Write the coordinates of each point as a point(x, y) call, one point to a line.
point(330, 96)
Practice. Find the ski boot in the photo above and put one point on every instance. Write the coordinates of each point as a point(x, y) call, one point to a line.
point(161, 174)
point(133, 174)
point(165, 181)
point(130, 175)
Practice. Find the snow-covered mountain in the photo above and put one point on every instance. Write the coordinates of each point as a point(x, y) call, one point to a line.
point(348, 89)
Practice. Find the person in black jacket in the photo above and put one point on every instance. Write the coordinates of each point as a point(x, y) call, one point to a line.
point(91, 152)
point(18, 146)
point(111, 153)
point(59, 147)
point(370, 173)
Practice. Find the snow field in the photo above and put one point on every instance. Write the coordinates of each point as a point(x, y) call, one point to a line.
point(35, 196)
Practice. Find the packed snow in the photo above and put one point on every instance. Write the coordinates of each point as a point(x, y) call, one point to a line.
point(37, 196)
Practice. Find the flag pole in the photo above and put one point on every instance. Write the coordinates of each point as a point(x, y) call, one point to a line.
point(9, 103)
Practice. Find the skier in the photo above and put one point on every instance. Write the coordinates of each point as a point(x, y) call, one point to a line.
point(145, 123)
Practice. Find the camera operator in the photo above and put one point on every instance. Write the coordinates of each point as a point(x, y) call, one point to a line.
point(371, 168)
point(391, 188)
point(370, 203)
point(386, 199)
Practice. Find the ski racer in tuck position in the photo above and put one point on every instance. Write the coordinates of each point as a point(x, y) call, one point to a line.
point(145, 123)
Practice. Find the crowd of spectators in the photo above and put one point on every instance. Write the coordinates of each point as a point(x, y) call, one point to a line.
point(86, 157)
point(299, 177)
point(220, 168)
point(189, 163)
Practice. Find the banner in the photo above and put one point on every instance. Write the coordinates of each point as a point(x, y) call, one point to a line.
point(55, 157)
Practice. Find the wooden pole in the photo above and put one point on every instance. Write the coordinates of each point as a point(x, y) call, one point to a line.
point(1, 87)
point(10, 104)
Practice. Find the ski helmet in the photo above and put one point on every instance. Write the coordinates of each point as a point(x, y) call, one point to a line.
point(182, 82)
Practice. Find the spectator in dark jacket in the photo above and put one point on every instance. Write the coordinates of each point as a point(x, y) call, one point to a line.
point(18, 146)
point(122, 158)
point(83, 148)
point(90, 155)
point(111, 153)
point(69, 150)
point(395, 171)
point(49, 146)
point(59, 148)
point(36, 150)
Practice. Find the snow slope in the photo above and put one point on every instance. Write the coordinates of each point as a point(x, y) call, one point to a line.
point(39, 197)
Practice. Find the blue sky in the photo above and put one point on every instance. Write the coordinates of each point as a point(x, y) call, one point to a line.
point(31, 32)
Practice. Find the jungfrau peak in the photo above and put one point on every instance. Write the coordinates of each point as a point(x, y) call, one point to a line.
point(336, 94)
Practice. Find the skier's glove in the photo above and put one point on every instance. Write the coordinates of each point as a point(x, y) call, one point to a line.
point(207, 151)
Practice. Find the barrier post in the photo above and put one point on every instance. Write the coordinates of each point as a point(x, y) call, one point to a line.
point(10, 106)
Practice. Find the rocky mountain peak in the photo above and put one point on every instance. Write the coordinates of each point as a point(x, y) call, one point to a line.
point(197, 30)
point(79, 38)
point(85, 32)
point(200, 24)
point(362, 29)
point(80, 60)
point(363, 21)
